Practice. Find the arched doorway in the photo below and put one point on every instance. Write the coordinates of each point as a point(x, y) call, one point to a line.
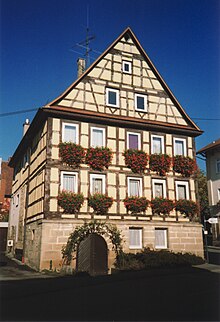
point(92, 255)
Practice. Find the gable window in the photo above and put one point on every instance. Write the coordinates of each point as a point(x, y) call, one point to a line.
point(135, 238)
point(97, 183)
point(134, 187)
point(70, 133)
point(69, 181)
point(97, 137)
point(160, 238)
point(112, 97)
point(218, 166)
point(179, 146)
point(157, 144)
point(126, 67)
point(159, 188)
point(141, 102)
point(182, 190)
point(133, 140)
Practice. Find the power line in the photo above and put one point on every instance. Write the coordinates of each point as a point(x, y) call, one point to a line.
point(18, 112)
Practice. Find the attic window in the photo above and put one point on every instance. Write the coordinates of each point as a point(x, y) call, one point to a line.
point(126, 67)
point(112, 97)
point(127, 36)
point(141, 102)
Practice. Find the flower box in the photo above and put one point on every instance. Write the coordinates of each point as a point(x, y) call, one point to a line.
point(136, 160)
point(186, 166)
point(70, 202)
point(162, 206)
point(188, 208)
point(136, 204)
point(100, 203)
point(99, 158)
point(160, 163)
point(71, 154)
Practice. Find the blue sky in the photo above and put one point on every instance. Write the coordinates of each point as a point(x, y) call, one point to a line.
point(38, 53)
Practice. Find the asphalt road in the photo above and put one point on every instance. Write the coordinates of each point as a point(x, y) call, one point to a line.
point(160, 295)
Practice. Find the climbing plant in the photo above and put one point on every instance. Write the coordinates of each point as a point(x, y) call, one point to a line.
point(81, 232)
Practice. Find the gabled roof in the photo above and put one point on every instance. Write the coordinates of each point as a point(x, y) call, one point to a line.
point(211, 146)
point(128, 32)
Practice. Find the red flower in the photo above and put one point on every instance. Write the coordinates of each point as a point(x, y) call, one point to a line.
point(184, 165)
point(136, 160)
point(98, 158)
point(71, 154)
point(136, 204)
point(160, 163)
point(70, 202)
point(100, 203)
point(162, 206)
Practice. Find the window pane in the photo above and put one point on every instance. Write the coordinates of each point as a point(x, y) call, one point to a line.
point(112, 98)
point(158, 190)
point(69, 134)
point(133, 141)
point(97, 137)
point(69, 182)
point(181, 191)
point(179, 147)
point(157, 145)
point(218, 166)
point(160, 238)
point(140, 102)
point(135, 238)
point(134, 187)
point(97, 185)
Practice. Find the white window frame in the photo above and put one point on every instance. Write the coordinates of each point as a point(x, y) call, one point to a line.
point(69, 173)
point(182, 183)
point(103, 135)
point(140, 233)
point(165, 246)
point(141, 187)
point(218, 166)
point(125, 62)
point(145, 102)
point(163, 182)
point(107, 96)
point(162, 142)
point(139, 139)
point(184, 145)
point(73, 125)
point(98, 176)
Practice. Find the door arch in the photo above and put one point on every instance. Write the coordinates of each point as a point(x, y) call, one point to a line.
point(92, 255)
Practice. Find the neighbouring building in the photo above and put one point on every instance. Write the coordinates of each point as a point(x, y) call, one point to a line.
point(6, 177)
point(120, 102)
point(211, 153)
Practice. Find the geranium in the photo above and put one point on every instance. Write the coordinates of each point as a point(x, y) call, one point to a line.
point(184, 165)
point(136, 204)
point(71, 153)
point(160, 163)
point(100, 203)
point(162, 206)
point(70, 202)
point(188, 208)
point(136, 160)
point(98, 158)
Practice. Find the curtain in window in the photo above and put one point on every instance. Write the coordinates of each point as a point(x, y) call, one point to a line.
point(135, 238)
point(181, 191)
point(179, 146)
point(69, 182)
point(97, 185)
point(160, 238)
point(133, 141)
point(158, 190)
point(69, 134)
point(97, 137)
point(134, 187)
point(157, 145)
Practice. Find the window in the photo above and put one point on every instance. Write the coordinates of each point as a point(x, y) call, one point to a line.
point(179, 146)
point(133, 140)
point(218, 192)
point(141, 102)
point(97, 183)
point(126, 67)
point(17, 200)
point(112, 97)
point(159, 188)
point(182, 190)
point(69, 181)
point(157, 144)
point(97, 137)
point(135, 238)
point(70, 133)
point(218, 166)
point(160, 238)
point(134, 187)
